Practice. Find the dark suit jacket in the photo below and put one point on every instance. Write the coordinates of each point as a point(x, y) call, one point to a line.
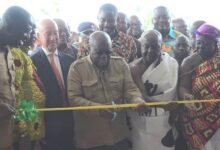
point(59, 125)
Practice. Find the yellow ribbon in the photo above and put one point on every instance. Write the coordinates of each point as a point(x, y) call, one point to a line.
point(116, 106)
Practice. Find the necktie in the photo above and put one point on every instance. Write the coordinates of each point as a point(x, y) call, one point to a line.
point(57, 74)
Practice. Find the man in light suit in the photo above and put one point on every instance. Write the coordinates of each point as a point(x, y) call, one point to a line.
point(52, 67)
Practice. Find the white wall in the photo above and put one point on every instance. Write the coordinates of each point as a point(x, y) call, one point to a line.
point(86, 10)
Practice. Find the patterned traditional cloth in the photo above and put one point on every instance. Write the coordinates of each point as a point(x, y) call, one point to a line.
point(28, 86)
point(201, 123)
point(124, 46)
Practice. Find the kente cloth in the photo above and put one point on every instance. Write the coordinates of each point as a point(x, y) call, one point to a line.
point(160, 82)
point(28, 86)
point(202, 122)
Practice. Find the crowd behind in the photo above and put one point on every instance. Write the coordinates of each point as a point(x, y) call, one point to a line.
point(113, 62)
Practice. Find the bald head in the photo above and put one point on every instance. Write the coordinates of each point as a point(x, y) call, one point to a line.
point(100, 49)
point(48, 34)
point(47, 23)
point(151, 42)
point(99, 37)
point(151, 35)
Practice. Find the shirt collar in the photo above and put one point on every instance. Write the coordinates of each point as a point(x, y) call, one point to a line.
point(96, 68)
point(48, 53)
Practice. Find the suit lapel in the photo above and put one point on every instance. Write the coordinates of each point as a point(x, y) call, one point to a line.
point(44, 59)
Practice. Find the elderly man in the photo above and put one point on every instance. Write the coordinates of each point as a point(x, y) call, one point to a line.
point(52, 67)
point(100, 79)
point(156, 75)
point(161, 22)
point(122, 45)
point(135, 29)
point(15, 29)
point(199, 79)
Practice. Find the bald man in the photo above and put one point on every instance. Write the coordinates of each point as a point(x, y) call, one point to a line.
point(100, 79)
point(52, 67)
point(155, 74)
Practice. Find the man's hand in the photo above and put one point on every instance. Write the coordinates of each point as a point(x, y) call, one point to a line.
point(6, 111)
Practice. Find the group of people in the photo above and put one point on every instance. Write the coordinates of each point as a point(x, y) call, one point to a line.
point(114, 62)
